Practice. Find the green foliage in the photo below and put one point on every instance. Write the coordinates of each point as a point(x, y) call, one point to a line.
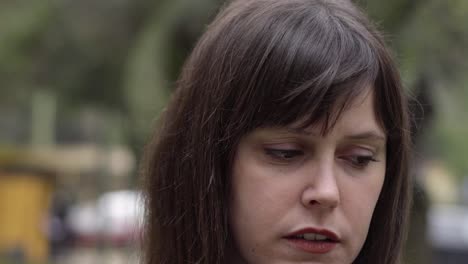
point(124, 57)
point(431, 38)
point(448, 138)
point(20, 31)
point(391, 15)
point(156, 58)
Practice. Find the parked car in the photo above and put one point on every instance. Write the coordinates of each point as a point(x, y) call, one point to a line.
point(448, 233)
point(115, 218)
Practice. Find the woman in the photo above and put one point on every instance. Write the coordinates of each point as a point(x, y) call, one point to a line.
point(286, 141)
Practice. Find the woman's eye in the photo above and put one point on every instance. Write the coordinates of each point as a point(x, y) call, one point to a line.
point(283, 154)
point(360, 161)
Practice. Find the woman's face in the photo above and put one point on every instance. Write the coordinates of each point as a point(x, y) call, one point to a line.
point(299, 197)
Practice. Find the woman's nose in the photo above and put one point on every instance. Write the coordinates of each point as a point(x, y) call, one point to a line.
point(322, 187)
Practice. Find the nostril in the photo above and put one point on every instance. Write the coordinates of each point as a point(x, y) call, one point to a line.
point(321, 196)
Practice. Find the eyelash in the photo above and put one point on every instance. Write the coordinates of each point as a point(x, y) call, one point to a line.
point(359, 161)
point(289, 155)
point(283, 155)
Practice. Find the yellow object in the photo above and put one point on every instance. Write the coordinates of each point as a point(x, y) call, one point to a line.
point(440, 183)
point(24, 205)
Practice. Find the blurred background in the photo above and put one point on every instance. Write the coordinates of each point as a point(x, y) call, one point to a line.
point(82, 82)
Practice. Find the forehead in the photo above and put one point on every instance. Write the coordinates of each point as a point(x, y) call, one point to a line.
point(357, 117)
point(360, 116)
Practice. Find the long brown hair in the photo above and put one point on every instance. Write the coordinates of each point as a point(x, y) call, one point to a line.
point(268, 63)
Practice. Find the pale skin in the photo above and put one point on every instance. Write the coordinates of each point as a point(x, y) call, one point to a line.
point(285, 180)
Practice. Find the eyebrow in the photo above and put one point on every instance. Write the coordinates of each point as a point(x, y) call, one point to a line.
point(366, 135)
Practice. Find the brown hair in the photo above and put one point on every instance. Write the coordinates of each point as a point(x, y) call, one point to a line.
point(268, 63)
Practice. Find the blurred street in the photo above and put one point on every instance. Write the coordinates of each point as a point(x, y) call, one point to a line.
point(82, 84)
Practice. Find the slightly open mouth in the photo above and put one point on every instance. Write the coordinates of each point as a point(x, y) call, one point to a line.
point(313, 242)
point(312, 238)
point(312, 246)
point(309, 240)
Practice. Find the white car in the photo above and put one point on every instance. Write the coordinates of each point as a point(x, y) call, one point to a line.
point(115, 218)
point(448, 227)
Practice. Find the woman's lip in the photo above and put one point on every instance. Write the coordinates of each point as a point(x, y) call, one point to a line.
point(313, 247)
point(320, 231)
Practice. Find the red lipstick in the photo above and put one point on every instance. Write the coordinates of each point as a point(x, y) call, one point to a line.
point(313, 240)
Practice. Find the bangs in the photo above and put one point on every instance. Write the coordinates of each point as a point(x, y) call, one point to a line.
point(304, 68)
